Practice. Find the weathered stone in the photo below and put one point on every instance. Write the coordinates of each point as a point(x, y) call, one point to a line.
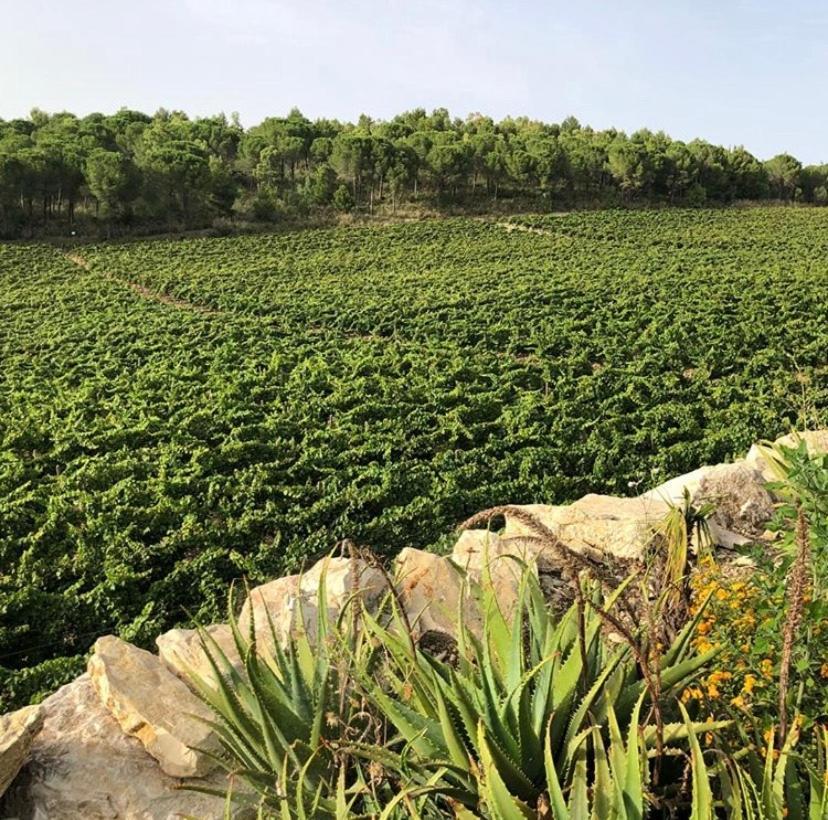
point(345, 579)
point(81, 765)
point(673, 491)
point(17, 730)
point(292, 602)
point(182, 651)
point(815, 440)
point(280, 601)
point(623, 527)
point(429, 588)
point(741, 502)
point(479, 550)
point(153, 705)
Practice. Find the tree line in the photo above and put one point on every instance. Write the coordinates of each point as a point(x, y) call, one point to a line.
point(59, 172)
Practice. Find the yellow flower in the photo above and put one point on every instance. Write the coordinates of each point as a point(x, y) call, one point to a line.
point(766, 667)
point(738, 702)
point(823, 670)
point(750, 682)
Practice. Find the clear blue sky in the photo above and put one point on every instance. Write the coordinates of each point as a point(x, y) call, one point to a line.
point(731, 71)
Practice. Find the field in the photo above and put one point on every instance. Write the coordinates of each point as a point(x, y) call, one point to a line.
point(178, 414)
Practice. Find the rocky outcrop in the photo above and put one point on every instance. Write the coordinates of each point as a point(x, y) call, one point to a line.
point(116, 742)
point(182, 651)
point(16, 733)
point(623, 527)
point(674, 491)
point(290, 604)
point(429, 588)
point(741, 504)
point(153, 705)
point(736, 493)
point(82, 765)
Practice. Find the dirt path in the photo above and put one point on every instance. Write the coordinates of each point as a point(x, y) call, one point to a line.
point(141, 290)
point(513, 226)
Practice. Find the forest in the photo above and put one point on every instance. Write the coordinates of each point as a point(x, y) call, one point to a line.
point(130, 172)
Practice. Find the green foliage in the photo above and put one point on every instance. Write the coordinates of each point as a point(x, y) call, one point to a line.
point(532, 711)
point(380, 384)
point(169, 171)
point(342, 199)
point(746, 615)
point(33, 684)
point(286, 718)
point(524, 688)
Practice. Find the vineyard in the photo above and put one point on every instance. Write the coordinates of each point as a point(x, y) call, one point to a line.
point(178, 414)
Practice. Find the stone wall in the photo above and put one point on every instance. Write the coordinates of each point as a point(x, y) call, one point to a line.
point(119, 741)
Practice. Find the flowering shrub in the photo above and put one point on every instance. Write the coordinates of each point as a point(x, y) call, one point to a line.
point(746, 614)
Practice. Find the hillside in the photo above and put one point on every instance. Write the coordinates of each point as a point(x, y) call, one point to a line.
point(176, 414)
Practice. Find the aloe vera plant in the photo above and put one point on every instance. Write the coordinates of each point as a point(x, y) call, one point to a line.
point(283, 717)
point(538, 716)
point(525, 694)
point(779, 783)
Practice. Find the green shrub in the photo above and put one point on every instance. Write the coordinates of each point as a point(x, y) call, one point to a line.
point(530, 712)
point(342, 199)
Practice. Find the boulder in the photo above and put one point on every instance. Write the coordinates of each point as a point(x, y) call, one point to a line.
point(479, 550)
point(17, 731)
point(345, 579)
point(672, 491)
point(815, 440)
point(278, 600)
point(429, 588)
point(742, 505)
point(292, 602)
point(81, 765)
point(152, 704)
point(622, 527)
point(182, 651)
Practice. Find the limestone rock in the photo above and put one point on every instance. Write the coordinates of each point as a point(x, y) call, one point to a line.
point(292, 602)
point(623, 527)
point(479, 550)
point(672, 491)
point(17, 730)
point(429, 588)
point(152, 704)
point(280, 600)
point(182, 651)
point(742, 504)
point(81, 765)
point(815, 440)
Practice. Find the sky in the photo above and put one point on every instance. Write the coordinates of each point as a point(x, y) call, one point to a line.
point(734, 72)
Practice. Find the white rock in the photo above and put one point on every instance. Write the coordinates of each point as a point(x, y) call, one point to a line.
point(429, 588)
point(815, 440)
point(280, 600)
point(81, 765)
point(672, 491)
point(623, 527)
point(479, 550)
point(182, 651)
point(17, 730)
point(292, 602)
point(152, 704)
point(741, 502)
